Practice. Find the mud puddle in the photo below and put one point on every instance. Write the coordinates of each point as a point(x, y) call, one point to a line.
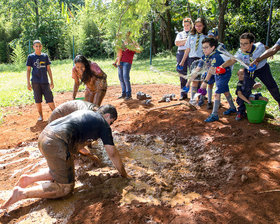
point(163, 173)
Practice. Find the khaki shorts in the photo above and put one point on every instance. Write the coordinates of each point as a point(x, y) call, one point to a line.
point(58, 157)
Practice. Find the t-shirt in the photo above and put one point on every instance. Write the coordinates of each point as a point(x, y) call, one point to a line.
point(81, 126)
point(39, 67)
point(127, 56)
point(191, 43)
point(69, 107)
point(214, 60)
point(249, 57)
point(239, 87)
point(182, 36)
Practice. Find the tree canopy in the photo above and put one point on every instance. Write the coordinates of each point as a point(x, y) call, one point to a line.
point(94, 24)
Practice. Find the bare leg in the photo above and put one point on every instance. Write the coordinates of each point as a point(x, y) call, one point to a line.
point(39, 109)
point(89, 96)
point(26, 179)
point(44, 190)
point(99, 97)
point(52, 105)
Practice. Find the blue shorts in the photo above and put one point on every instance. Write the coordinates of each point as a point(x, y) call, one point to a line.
point(222, 83)
point(40, 89)
point(211, 80)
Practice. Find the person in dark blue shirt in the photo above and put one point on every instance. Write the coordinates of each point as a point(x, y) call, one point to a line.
point(40, 64)
point(58, 142)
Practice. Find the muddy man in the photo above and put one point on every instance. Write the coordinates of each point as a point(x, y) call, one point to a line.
point(58, 142)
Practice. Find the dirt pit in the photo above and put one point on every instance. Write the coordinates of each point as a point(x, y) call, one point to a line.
point(183, 170)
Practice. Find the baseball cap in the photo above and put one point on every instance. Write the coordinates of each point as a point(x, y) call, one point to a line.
point(213, 32)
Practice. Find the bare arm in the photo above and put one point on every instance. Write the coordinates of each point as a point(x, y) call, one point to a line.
point(179, 43)
point(116, 159)
point(186, 54)
point(268, 53)
point(242, 97)
point(75, 88)
point(228, 63)
point(50, 75)
point(28, 78)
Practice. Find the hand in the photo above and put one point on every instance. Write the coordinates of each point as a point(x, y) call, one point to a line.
point(252, 68)
point(202, 91)
point(115, 65)
point(182, 63)
point(51, 85)
point(29, 86)
point(255, 62)
point(220, 70)
point(203, 85)
point(257, 85)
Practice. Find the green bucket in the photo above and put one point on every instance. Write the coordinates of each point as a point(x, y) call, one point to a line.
point(256, 111)
point(80, 98)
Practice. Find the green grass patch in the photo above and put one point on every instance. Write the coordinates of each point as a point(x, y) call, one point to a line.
point(13, 90)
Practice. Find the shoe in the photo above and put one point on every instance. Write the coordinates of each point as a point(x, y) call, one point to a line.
point(212, 118)
point(238, 117)
point(269, 116)
point(121, 97)
point(230, 111)
point(209, 106)
point(128, 98)
point(40, 119)
point(200, 102)
point(183, 98)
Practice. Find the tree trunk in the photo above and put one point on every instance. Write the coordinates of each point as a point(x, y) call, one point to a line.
point(221, 26)
point(189, 10)
point(37, 13)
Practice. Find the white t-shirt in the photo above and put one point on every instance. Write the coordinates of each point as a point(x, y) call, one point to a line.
point(247, 58)
point(182, 36)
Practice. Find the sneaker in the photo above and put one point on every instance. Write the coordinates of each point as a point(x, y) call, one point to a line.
point(212, 118)
point(201, 101)
point(128, 98)
point(230, 111)
point(121, 97)
point(40, 119)
point(209, 106)
point(183, 98)
point(238, 117)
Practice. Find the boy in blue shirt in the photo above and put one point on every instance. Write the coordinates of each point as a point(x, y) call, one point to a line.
point(40, 64)
point(214, 59)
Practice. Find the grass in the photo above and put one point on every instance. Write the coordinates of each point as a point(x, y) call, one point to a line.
point(13, 89)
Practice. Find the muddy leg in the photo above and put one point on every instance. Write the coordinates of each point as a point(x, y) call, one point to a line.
point(27, 179)
point(44, 190)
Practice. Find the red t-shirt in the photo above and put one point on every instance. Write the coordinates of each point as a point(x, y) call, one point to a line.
point(127, 56)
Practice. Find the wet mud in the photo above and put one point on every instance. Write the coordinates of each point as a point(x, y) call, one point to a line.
point(181, 168)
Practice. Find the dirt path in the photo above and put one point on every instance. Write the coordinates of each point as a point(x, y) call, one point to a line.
point(184, 170)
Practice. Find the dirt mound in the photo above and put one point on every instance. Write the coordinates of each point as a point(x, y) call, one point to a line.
point(182, 168)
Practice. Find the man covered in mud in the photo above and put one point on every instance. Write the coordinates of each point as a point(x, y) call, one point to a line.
point(71, 106)
point(58, 142)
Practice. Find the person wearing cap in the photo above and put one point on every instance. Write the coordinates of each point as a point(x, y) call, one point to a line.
point(40, 64)
point(180, 42)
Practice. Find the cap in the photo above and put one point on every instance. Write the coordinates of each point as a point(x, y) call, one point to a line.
point(213, 32)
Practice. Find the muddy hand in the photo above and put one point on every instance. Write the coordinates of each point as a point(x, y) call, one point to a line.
point(95, 159)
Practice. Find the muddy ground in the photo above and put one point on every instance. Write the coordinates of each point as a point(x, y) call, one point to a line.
point(183, 170)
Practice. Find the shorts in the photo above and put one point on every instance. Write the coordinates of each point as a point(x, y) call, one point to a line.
point(222, 83)
point(58, 156)
point(211, 80)
point(40, 89)
point(255, 96)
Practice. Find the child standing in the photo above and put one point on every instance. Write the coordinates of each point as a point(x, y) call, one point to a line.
point(40, 64)
point(180, 42)
point(215, 59)
point(194, 48)
point(248, 52)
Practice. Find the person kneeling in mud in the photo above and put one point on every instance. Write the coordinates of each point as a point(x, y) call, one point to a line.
point(69, 107)
point(58, 142)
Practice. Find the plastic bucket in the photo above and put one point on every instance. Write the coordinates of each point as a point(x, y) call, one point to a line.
point(256, 111)
point(80, 98)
